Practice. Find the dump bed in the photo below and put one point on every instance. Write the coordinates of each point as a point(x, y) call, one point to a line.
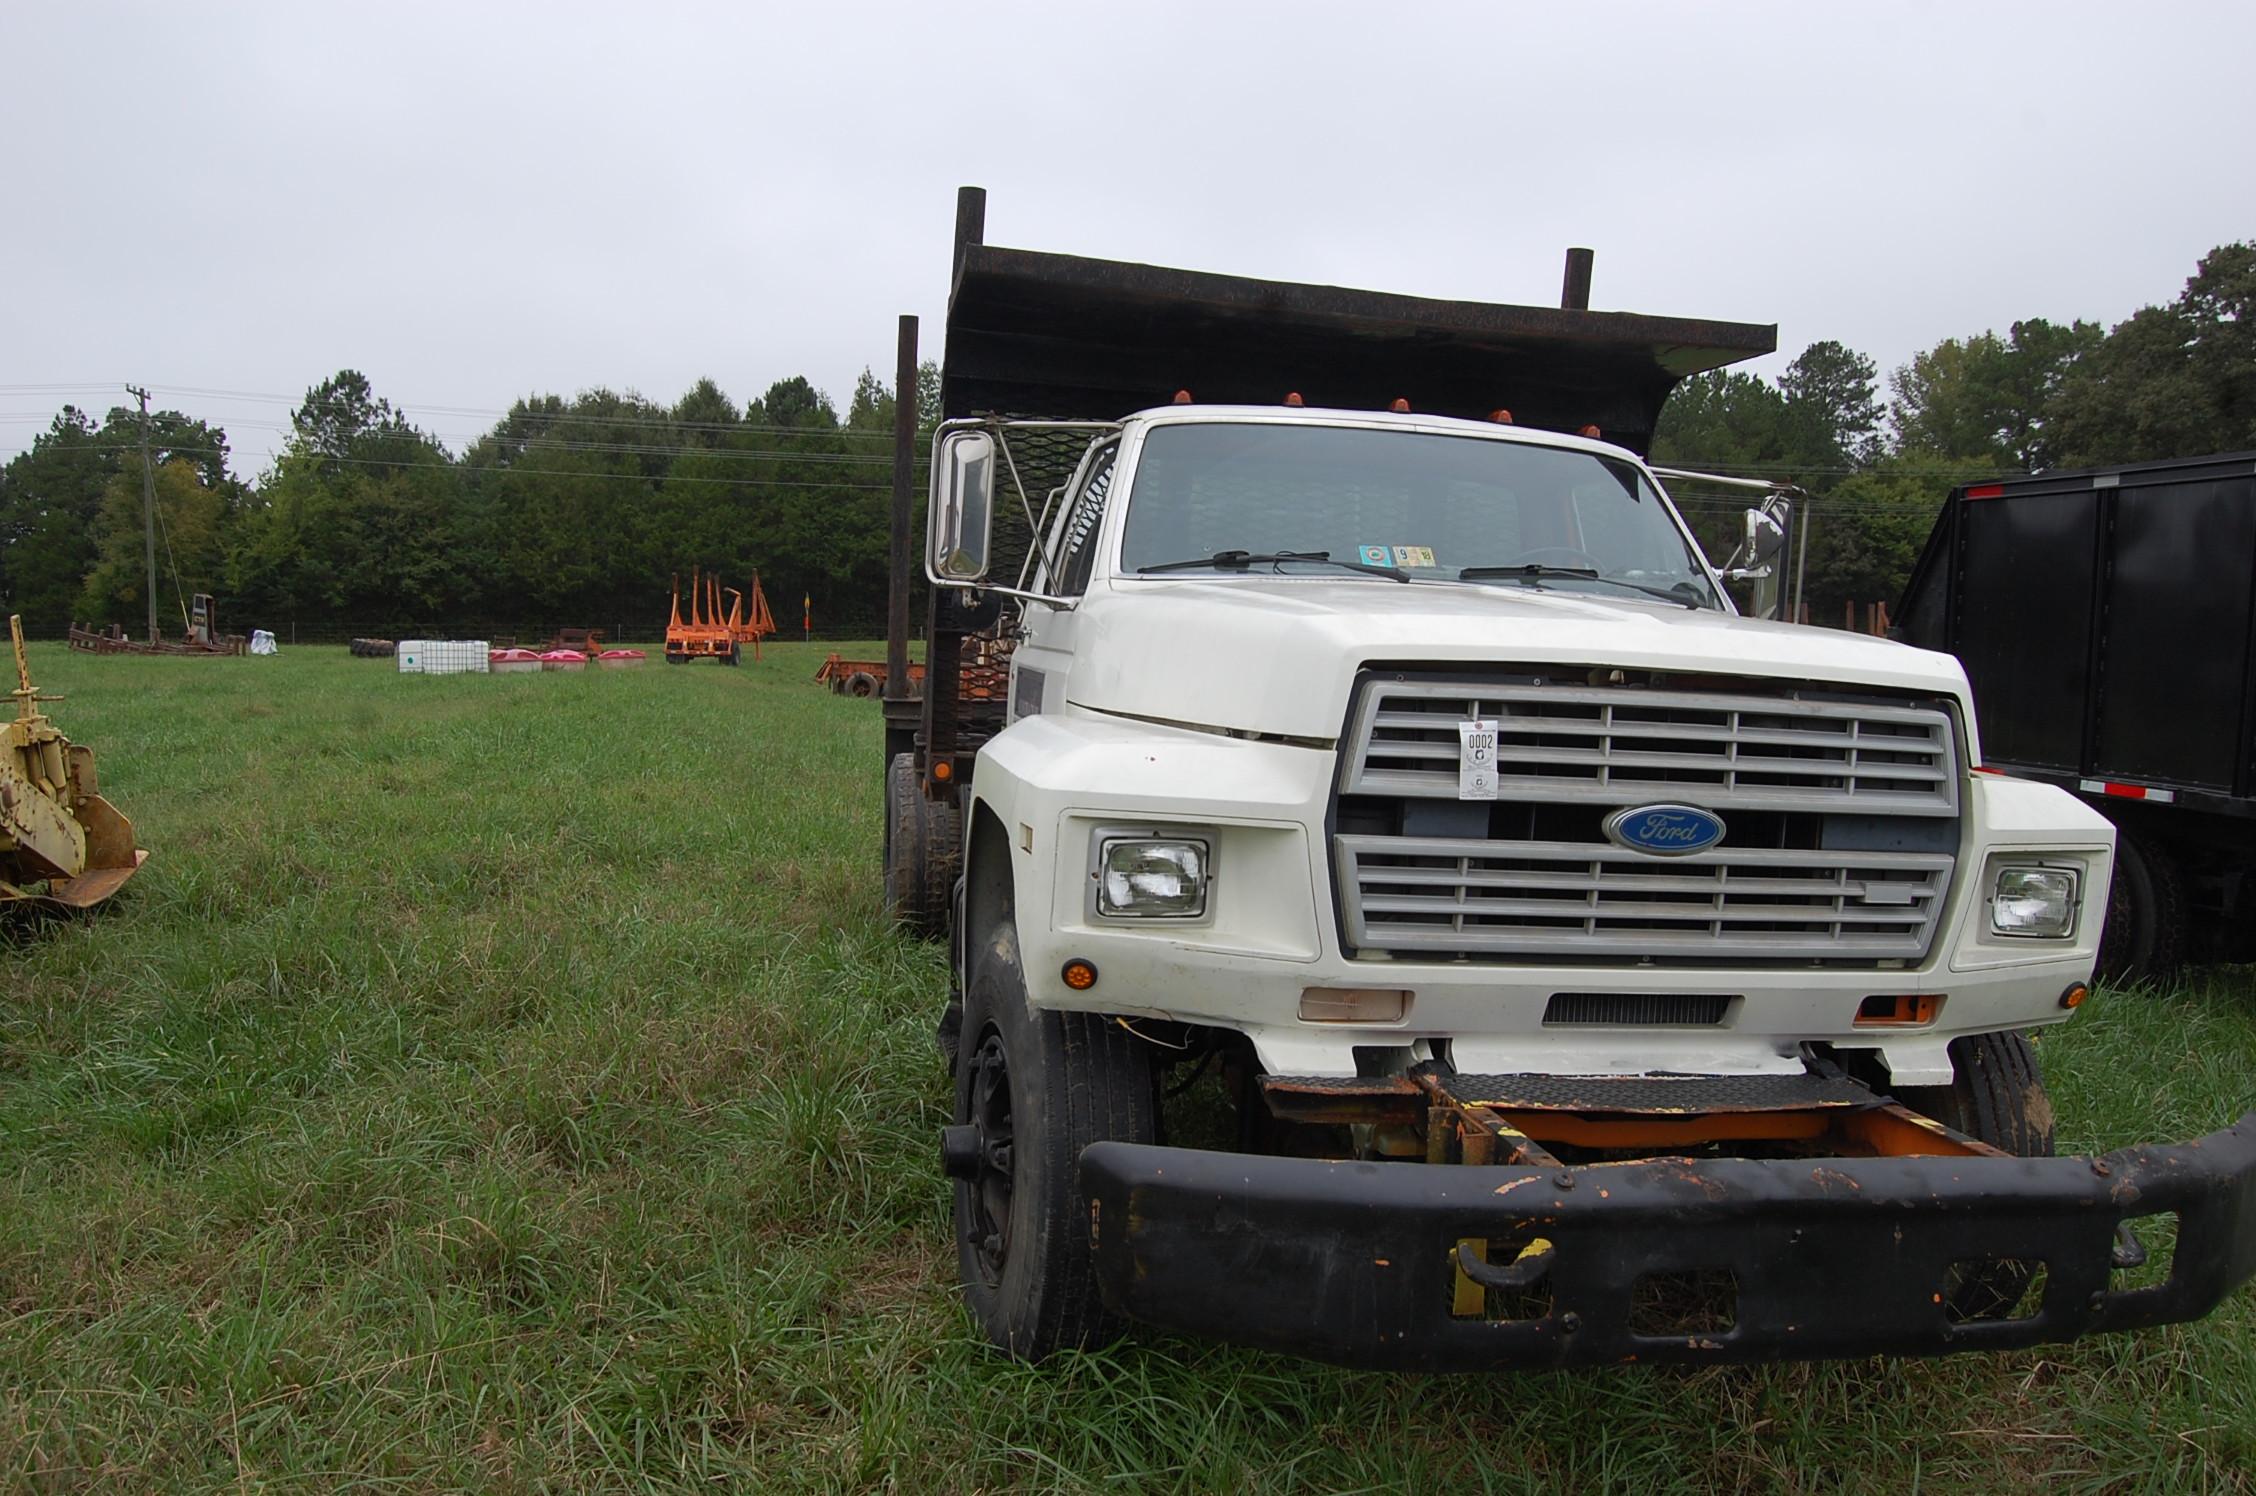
point(2107, 621)
point(1034, 334)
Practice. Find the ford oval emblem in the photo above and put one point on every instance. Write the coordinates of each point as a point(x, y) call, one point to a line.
point(1664, 830)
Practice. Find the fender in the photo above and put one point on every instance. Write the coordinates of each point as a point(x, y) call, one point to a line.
point(1046, 777)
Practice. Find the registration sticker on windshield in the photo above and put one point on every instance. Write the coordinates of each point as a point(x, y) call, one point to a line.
point(1374, 555)
point(1476, 759)
point(1413, 555)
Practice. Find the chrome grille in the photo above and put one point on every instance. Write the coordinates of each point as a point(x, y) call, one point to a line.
point(1585, 899)
point(1619, 746)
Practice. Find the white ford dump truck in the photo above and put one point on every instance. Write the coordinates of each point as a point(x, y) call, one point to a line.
point(1328, 715)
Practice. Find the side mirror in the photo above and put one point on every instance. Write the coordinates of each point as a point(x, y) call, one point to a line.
point(1766, 536)
point(1764, 544)
point(963, 506)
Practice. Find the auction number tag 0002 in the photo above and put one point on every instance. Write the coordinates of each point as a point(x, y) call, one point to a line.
point(1476, 760)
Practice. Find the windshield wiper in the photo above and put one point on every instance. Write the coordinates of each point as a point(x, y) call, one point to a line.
point(1534, 570)
point(1241, 560)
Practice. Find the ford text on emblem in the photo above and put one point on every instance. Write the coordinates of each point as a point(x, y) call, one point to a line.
point(1664, 830)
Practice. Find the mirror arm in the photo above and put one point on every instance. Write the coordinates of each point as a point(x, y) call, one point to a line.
point(1066, 603)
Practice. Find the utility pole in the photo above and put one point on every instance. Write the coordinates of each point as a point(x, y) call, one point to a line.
point(148, 508)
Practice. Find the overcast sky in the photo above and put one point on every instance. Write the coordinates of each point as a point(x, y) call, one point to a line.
point(474, 202)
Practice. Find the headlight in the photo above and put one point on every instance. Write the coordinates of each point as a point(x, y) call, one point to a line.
point(1150, 878)
point(2035, 901)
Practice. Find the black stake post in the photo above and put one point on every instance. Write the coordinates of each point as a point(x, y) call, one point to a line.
point(1574, 291)
point(904, 456)
point(950, 614)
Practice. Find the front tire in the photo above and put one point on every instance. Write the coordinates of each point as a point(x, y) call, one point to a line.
point(1034, 1088)
point(1996, 1096)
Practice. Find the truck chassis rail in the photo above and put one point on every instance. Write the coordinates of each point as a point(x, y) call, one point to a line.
point(1473, 1266)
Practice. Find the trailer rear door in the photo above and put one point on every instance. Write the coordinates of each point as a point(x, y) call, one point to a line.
point(2177, 618)
point(2025, 619)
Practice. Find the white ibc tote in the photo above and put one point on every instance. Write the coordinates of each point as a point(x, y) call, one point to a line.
point(442, 656)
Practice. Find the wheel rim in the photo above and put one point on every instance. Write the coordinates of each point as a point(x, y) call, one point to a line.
point(988, 1191)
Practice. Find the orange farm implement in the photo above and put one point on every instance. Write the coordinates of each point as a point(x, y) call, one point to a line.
point(710, 634)
point(61, 844)
point(862, 677)
point(983, 673)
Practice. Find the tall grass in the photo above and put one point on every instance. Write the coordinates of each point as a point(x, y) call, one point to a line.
point(508, 1084)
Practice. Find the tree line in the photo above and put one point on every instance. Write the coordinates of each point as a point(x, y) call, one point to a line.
point(567, 511)
point(580, 510)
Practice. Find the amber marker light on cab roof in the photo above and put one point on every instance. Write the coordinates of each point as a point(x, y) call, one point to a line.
point(1500, 416)
point(1182, 397)
point(1294, 399)
point(1400, 407)
point(1590, 431)
point(1079, 974)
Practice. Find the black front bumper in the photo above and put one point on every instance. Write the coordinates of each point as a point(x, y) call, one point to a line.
point(1358, 1262)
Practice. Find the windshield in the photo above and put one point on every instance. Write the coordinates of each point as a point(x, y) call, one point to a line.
point(1434, 506)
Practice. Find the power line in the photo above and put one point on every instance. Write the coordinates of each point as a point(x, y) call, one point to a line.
point(732, 454)
point(1682, 501)
point(654, 414)
point(507, 468)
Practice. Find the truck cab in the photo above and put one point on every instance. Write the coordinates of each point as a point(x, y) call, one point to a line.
point(1553, 941)
point(1254, 647)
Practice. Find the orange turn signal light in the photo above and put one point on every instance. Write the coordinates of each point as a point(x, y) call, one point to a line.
point(1182, 397)
point(1589, 431)
point(1898, 1010)
point(942, 769)
point(1500, 416)
point(1079, 974)
point(2075, 995)
point(1294, 399)
point(1400, 407)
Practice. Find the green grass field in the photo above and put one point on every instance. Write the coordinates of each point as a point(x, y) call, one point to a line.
point(509, 1084)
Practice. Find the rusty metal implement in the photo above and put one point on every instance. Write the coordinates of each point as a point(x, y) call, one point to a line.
point(61, 844)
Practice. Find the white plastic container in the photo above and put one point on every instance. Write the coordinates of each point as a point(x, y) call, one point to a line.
point(443, 657)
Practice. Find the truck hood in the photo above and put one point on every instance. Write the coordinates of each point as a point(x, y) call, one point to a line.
point(1278, 655)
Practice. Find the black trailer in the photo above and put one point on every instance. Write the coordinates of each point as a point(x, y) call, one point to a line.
point(1070, 338)
point(2107, 620)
